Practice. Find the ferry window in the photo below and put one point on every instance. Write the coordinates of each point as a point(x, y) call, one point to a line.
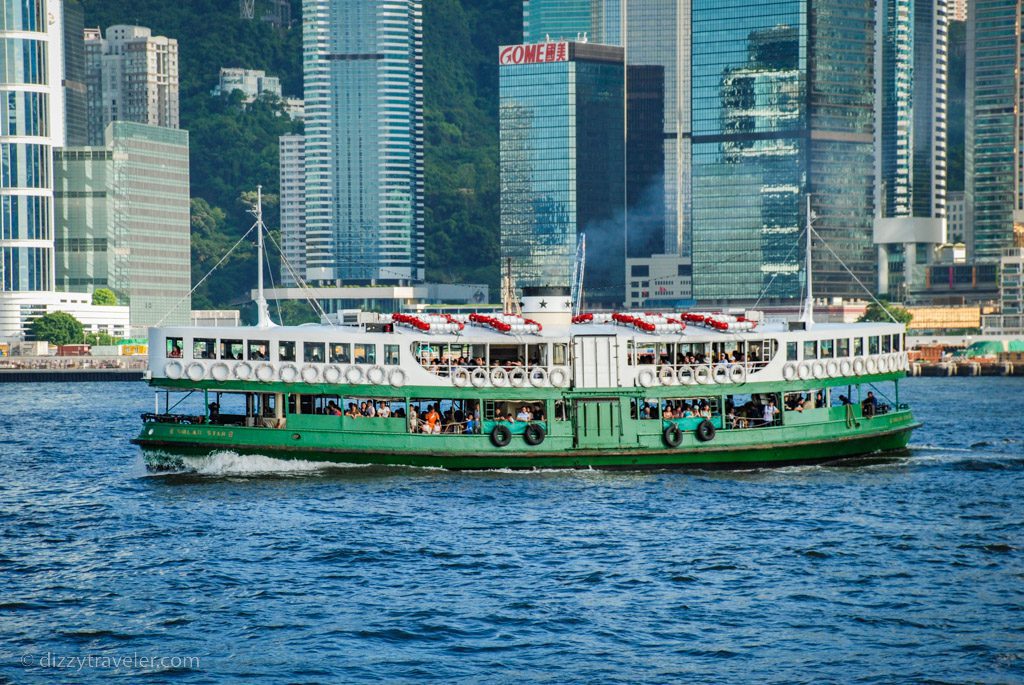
point(561, 410)
point(204, 348)
point(230, 349)
point(873, 345)
point(313, 352)
point(286, 351)
point(504, 355)
point(174, 347)
point(791, 351)
point(630, 352)
point(391, 355)
point(340, 353)
point(645, 410)
point(514, 411)
point(843, 347)
point(432, 416)
point(886, 343)
point(372, 407)
point(365, 353)
point(897, 341)
point(537, 355)
point(858, 347)
point(559, 354)
point(810, 352)
point(258, 350)
point(826, 349)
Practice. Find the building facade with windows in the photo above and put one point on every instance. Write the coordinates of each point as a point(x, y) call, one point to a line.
point(251, 82)
point(562, 157)
point(293, 209)
point(363, 72)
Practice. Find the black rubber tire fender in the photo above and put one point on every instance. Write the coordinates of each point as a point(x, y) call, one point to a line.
point(705, 431)
point(501, 435)
point(534, 434)
point(672, 436)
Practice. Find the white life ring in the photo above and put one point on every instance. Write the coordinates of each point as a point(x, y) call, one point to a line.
point(858, 366)
point(703, 375)
point(666, 376)
point(353, 375)
point(871, 365)
point(721, 374)
point(174, 369)
point(832, 368)
point(559, 377)
point(310, 374)
point(738, 374)
point(460, 376)
point(243, 371)
point(397, 378)
point(265, 373)
point(684, 375)
point(818, 368)
point(219, 371)
point(885, 364)
point(804, 371)
point(376, 375)
point(846, 367)
point(789, 371)
point(332, 374)
point(288, 373)
point(479, 377)
point(195, 371)
point(645, 378)
point(517, 377)
point(499, 378)
point(538, 377)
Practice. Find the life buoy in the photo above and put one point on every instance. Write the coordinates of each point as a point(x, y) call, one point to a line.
point(846, 367)
point(705, 431)
point(559, 377)
point(684, 375)
point(666, 376)
point(219, 371)
point(265, 373)
point(460, 377)
point(738, 374)
point(672, 435)
point(376, 375)
point(789, 371)
point(703, 375)
point(478, 377)
point(645, 378)
point(517, 377)
point(538, 377)
point(832, 368)
point(397, 378)
point(195, 371)
point(534, 434)
point(288, 373)
point(858, 366)
point(501, 435)
point(818, 368)
point(804, 371)
point(174, 369)
point(871, 365)
point(243, 371)
point(721, 374)
point(310, 374)
point(499, 378)
point(332, 374)
point(353, 375)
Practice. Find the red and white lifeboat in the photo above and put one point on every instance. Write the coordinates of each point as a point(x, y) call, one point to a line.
point(503, 323)
point(721, 322)
point(429, 323)
point(650, 323)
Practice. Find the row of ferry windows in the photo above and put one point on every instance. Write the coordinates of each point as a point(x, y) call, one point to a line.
point(845, 347)
point(287, 351)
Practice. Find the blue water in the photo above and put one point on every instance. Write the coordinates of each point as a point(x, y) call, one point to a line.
point(906, 571)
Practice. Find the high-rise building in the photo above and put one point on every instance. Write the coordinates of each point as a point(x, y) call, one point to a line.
point(994, 187)
point(363, 70)
point(123, 221)
point(252, 83)
point(562, 122)
point(131, 75)
point(73, 77)
point(293, 209)
point(597, 21)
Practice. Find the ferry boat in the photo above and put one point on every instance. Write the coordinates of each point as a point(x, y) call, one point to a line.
point(541, 389)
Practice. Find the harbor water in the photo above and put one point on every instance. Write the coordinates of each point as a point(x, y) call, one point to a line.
point(253, 570)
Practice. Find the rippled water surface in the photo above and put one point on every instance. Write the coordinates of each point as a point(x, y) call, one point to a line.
point(910, 570)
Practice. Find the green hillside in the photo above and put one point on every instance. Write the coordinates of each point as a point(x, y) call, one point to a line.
point(233, 150)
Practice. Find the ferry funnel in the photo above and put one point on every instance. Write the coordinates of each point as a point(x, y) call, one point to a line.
point(550, 306)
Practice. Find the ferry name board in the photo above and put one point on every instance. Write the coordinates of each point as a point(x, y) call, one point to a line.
point(537, 53)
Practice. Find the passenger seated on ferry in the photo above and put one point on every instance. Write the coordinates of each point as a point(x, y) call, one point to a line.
point(770, 412)
point(869, 406)
point(333, 409)
point(175, 352)
point(430, 421)
point(214, 412)
point(384, 411)
point(369, 411)
point(524, 414)
point(353, 411)
point(413, 419)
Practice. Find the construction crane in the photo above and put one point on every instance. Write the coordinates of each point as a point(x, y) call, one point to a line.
point(578, 266)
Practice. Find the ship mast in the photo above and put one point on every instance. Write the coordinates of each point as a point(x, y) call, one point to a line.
point(262, 309)
point(807, 316)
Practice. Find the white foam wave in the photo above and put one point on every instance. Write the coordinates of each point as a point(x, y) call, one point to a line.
point(229, 463)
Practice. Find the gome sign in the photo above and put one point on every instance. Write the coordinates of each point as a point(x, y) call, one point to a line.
point(534, 54)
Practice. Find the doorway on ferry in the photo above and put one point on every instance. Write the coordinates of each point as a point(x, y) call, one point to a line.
point(598, 422)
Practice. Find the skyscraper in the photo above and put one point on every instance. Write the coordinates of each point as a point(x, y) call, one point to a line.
point(73, 76)
point(562, 122)
point(131, 75)
point(293, 208)
point(600, 21)
point(994, 188)
point(363, 70)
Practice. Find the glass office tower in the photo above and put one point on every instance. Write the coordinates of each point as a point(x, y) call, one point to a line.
point(363, 70)
point(599, 20)
point(562, 159)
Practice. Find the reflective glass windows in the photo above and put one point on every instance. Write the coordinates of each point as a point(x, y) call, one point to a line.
point(23, 61)
point(23, 15)
point(24, 114)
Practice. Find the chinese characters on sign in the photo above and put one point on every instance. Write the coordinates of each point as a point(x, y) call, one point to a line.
point(534, 54)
